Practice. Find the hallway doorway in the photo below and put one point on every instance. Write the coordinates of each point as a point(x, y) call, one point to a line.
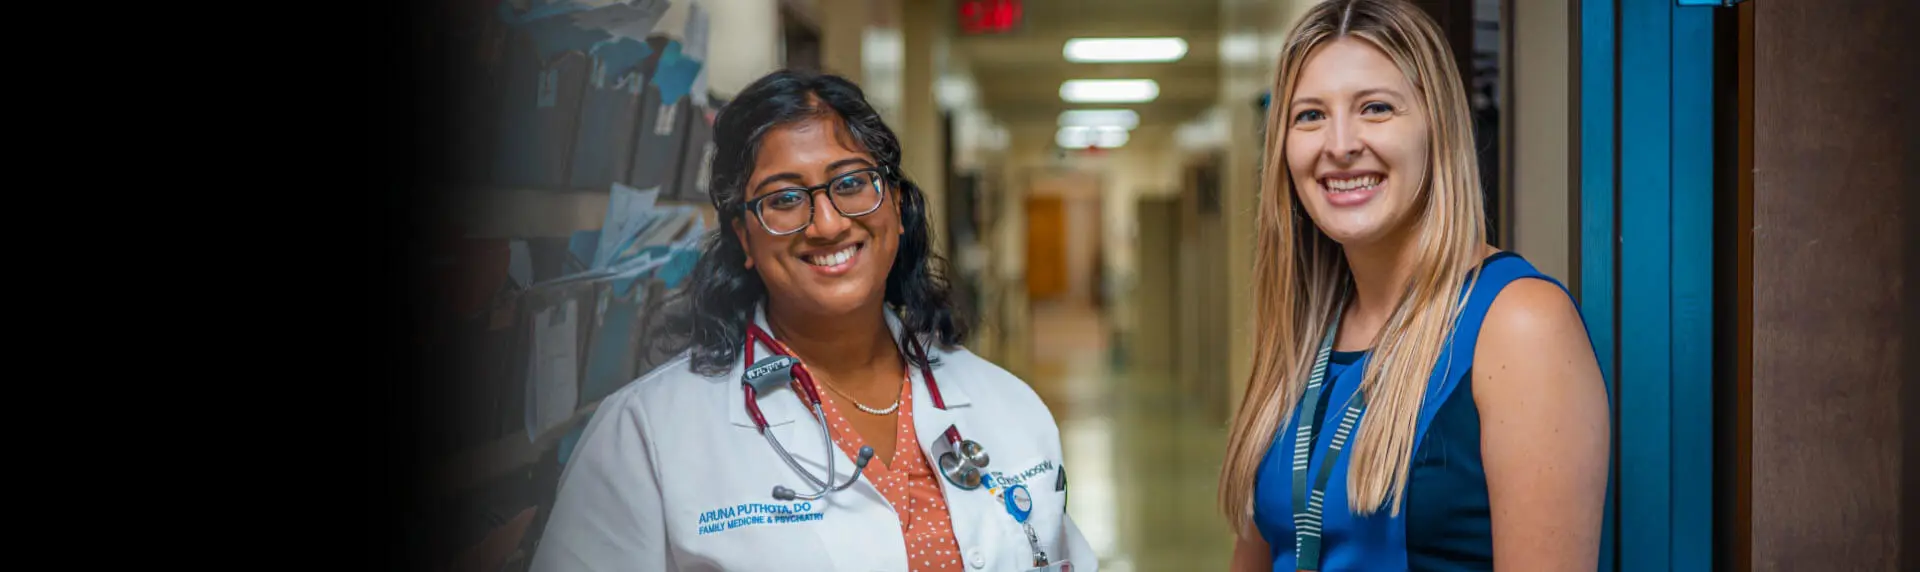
point(1046, 248)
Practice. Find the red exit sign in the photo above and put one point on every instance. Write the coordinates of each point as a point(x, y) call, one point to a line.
point(989, 16)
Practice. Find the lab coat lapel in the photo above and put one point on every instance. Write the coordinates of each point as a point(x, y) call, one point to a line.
point(790, 421)
point(930, 422)
point(965, 508)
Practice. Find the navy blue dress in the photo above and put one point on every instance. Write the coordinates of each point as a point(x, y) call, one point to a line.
point(1446, 524)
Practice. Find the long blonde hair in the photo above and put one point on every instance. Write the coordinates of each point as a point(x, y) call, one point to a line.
point(1298, 269)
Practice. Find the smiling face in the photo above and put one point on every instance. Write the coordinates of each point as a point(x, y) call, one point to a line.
point(836, 265)
point(1357, 143)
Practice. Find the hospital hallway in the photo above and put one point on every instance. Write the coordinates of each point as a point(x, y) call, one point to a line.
point(1143, 455)
point(1092, 176)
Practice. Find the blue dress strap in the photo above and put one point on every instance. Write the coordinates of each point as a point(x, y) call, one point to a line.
point(1456, 360)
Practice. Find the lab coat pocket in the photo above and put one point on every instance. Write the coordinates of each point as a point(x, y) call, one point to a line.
point(1028, 490)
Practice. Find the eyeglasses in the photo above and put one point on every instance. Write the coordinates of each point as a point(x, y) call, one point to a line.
point(790, 210)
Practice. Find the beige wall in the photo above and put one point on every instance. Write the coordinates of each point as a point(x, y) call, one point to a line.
point(1542, 135)
point(746, 42)
point(864, 41)
point(1153, 333)
point(1148, 167)
point(843, 27)
point(921, 139)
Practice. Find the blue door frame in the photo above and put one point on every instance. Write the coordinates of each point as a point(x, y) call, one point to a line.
point(1646, 110)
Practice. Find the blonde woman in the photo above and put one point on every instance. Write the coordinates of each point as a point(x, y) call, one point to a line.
point(1419, 400)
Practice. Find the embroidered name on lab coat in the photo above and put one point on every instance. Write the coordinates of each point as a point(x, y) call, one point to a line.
point(755, 514)
point(1021, 477)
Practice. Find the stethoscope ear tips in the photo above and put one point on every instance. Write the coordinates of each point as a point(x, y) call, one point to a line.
point(783, 493)
point(866, 454)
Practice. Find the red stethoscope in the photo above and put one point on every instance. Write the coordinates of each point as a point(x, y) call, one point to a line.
point(961, 460)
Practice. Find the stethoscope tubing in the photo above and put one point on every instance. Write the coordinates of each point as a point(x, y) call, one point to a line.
point(809, 390)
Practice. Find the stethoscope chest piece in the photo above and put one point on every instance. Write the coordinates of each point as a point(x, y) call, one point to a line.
point(973, 453)
point(959, 472)
point(962, 462)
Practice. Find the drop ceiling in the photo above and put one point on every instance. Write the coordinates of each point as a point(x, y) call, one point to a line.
point(1019, 74)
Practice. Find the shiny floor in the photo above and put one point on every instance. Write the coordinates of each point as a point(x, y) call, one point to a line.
point(1143, 456)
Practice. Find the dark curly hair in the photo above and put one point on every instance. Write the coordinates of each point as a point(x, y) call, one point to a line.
point(711, 314)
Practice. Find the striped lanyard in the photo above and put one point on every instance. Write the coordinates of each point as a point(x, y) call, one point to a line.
point(1307, 507)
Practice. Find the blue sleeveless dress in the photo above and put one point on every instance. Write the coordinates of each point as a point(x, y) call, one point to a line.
point(1445, 524)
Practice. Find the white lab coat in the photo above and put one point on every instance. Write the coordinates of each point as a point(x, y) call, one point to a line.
point(672, 475)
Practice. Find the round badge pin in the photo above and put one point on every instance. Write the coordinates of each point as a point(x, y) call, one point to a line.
point(1019, 503)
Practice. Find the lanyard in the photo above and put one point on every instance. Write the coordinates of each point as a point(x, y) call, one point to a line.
point(1019, 505)
point(1307, 510)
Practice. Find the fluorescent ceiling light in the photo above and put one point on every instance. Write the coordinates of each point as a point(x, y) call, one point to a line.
point(1124, 118)
point(1109, 90)
point(1107, 50)
point(1080, 137)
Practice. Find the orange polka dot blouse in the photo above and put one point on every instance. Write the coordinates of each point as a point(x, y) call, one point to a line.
point(907, 482)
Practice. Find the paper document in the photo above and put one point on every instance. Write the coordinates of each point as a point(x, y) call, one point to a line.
point(553, 386)
point(673, 75)
point(681, 260)
point(695, 35)
point(670, 223)
point(634, 19)
point(661, 228)
point(696, 48)
point(628, 210)
point(641, 266)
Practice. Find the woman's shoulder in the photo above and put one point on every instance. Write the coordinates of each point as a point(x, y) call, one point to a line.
point(1528, 308)
point(1520, 301)
point(669, 388)
point(1531, 338)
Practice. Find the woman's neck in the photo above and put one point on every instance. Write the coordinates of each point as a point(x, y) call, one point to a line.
point(843, 347)
point(1381, 271)
point(1380, 276)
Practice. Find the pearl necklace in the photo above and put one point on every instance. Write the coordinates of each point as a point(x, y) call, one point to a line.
point(871, 411)
point(856, 403)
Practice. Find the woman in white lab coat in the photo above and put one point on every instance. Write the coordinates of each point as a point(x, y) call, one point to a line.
point(719, 459)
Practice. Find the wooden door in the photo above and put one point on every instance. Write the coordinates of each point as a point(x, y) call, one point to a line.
point(1833, 237)
point(1046, 248)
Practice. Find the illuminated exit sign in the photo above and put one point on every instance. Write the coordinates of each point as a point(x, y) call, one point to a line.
point(989, 16)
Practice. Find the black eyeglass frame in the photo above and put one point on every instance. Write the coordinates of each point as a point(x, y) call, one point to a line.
point(883, 176)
